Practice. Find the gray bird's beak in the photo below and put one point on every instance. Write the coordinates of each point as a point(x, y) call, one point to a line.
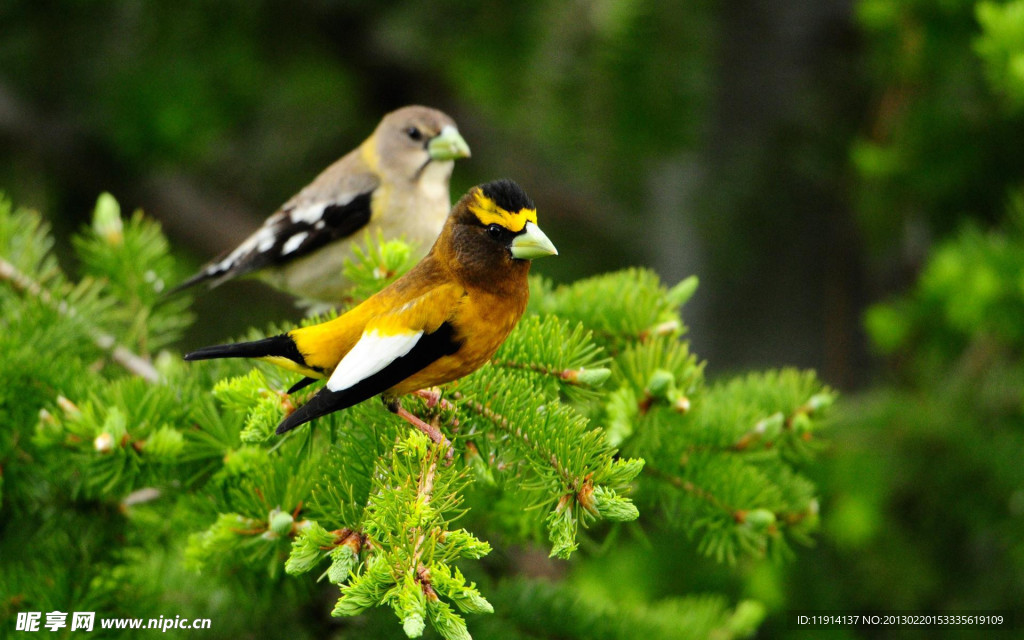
point(448, 145)
point(532, 243)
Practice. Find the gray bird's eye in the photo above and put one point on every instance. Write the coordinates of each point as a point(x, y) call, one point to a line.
point(414, 133)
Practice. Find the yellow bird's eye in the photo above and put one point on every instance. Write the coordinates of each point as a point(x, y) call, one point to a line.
point(495, 231)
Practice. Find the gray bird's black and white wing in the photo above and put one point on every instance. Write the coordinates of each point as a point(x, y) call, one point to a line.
point(311, 220)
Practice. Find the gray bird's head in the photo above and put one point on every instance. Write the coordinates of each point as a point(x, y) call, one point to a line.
point(414, 143)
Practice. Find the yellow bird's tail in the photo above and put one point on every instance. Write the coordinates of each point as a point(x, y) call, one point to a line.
point(281, 346)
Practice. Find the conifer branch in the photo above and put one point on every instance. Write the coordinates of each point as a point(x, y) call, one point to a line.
point(424, 494)
point(769, 519)
point(583, 377)
point(132, 362)
point(505, 425)
point(688, 487)
point(371, 502)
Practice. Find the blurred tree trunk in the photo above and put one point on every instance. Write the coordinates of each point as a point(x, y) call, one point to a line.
point(787, 288)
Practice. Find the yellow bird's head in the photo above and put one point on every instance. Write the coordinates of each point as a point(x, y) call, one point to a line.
point(492, 234)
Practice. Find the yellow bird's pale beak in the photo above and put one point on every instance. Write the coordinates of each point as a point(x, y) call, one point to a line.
point(532, 243)
point(448, 145)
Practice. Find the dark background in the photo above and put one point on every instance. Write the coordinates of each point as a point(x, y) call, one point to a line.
point(699, 137)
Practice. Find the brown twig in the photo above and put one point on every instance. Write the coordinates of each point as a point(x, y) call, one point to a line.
point(133, 362)
point(424, 492)
point(738, 515)
point(688, 487)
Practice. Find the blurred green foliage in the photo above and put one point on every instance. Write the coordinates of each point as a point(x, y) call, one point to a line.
point(1001, 48)
point(926, 491)
point(971, 289)
point(925, 507)
point(940, 144)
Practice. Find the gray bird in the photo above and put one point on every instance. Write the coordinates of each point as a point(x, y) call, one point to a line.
point(395, 183)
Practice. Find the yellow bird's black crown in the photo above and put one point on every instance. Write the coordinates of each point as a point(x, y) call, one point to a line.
point(508, 195)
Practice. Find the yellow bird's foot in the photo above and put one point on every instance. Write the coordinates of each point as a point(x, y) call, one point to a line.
point(434, 433)
point(433, 397)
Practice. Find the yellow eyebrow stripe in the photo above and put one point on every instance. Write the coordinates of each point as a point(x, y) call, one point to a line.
point(488, 212)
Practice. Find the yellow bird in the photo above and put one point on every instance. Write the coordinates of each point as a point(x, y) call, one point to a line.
point(440, 321)
point(395, 182)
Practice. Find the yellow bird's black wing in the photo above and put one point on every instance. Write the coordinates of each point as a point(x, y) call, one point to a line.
point(429, 348)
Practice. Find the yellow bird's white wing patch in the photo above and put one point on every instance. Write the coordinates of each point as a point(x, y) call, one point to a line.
point(370, 355)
